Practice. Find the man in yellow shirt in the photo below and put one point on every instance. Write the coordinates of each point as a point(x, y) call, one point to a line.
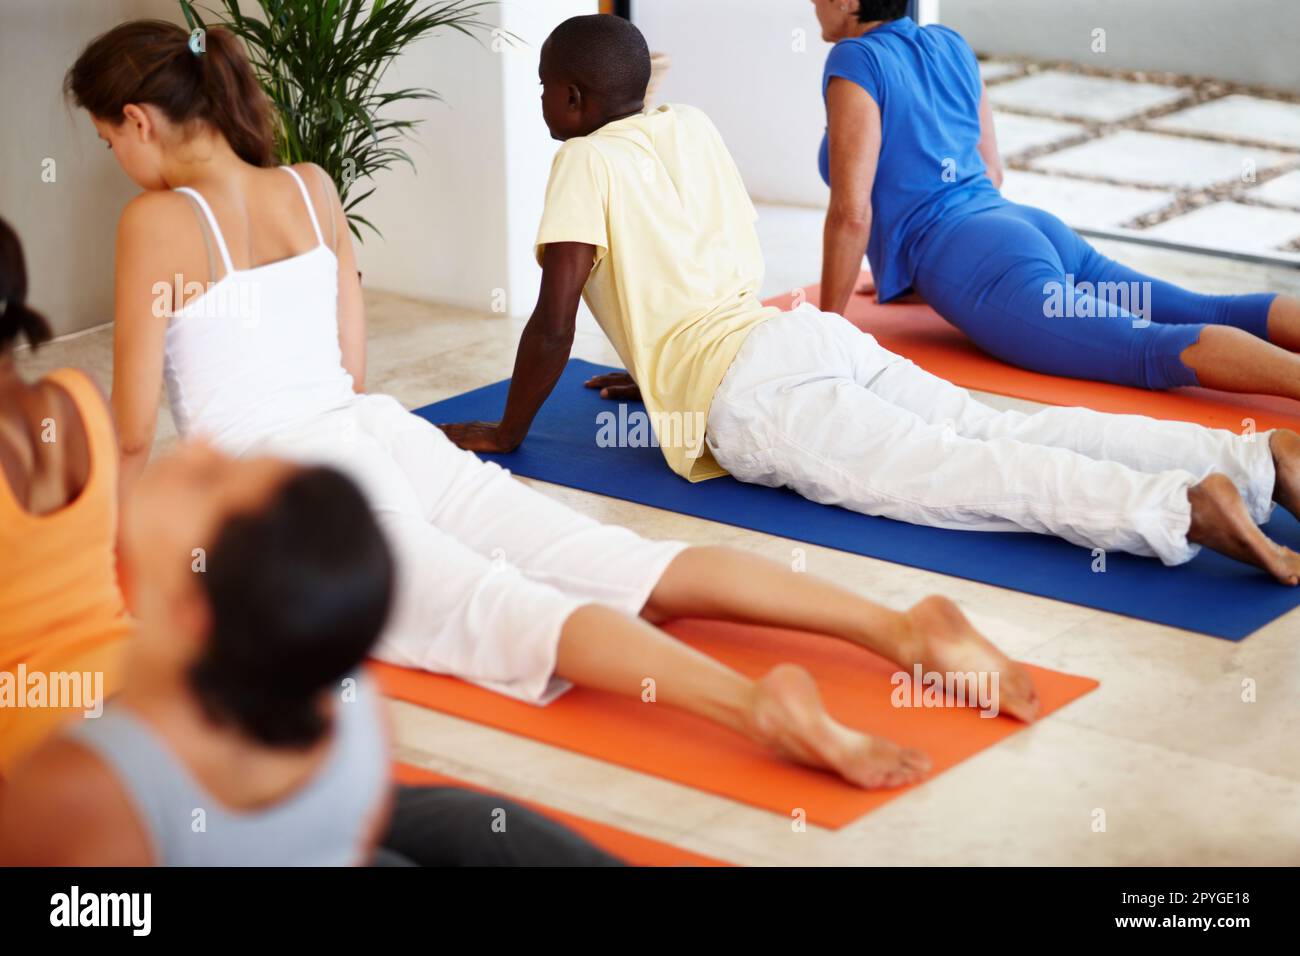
point(642, 212)
point(647, 217)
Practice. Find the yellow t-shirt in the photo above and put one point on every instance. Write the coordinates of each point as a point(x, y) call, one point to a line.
point(678, 265)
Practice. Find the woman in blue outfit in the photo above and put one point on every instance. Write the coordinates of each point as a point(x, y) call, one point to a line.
point(911, 157)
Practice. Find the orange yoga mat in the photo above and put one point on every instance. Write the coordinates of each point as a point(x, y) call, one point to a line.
point(628, 847)
point(918, 332)
point(665, 742)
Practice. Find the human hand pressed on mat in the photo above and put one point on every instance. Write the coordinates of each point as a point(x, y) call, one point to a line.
point(478, 436)
point(616, 385)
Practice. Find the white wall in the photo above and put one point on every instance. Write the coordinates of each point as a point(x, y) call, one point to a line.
point(67, 226)
point(1250, 41)
point(460, 228)
point(755, 67)
point(457, 228)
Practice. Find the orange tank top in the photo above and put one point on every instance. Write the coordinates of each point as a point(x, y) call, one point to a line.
point(61, 610)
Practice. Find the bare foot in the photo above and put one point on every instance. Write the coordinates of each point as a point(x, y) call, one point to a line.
point(949, 644)
point(1221, 522)
point(788, 717)
point(1285, 445)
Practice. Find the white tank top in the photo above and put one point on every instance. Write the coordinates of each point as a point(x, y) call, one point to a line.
point(258, 351)
point(325, 822)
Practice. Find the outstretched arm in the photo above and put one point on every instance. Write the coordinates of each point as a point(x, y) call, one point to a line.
point(543, 351)
point(352, 310)
point(144, 297)
point(853, 121)
point(988, 144)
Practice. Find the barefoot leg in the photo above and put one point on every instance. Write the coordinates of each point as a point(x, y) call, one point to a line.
point(1284, 322)
point(602, 648)
point(1235, 361)
point(730, 585)
point(1221, 522)
point(951, 645)
point(788, 717)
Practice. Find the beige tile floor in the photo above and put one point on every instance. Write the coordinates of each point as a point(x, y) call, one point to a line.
point(1184, 772)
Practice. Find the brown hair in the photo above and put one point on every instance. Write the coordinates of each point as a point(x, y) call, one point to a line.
point(16, 319)
point(151, 61)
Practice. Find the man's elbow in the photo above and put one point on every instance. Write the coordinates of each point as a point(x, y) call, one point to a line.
point(554, 336)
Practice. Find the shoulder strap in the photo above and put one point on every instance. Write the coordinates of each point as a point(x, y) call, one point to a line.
point(212, 223)
point(207, 237)
point(328, 187)
point(306, 197)
point(149, 773)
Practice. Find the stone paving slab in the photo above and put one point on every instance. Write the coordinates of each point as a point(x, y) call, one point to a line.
point(1231, 225)
point(1242, 117)
point(1159, 159)
point(996, 71)
point(1017, 133)
point(1082, 204)
point(1077, 96)
point(1284, 190)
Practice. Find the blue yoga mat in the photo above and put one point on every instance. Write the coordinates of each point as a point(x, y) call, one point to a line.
point(1211, 595)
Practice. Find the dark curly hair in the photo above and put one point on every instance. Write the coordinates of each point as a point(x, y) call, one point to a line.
point(299, 591)
point(604, 54)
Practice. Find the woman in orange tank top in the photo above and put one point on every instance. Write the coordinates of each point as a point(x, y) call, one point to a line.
point(63, 623)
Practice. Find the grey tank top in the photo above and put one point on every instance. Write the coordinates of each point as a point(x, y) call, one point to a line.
point(325, 822)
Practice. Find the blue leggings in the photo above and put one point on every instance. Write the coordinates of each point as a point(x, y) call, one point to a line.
point(1029, 290)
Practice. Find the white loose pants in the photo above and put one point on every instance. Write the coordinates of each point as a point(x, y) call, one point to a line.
point(488, 570)
point(812, 403)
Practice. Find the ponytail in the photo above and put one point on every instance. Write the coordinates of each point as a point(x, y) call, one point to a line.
point(17, 321)
point(152, 61)
point(240, 107)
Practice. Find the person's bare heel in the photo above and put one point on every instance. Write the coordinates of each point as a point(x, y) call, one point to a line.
point(948, 643)
point(1221, 522)
point(787, 716)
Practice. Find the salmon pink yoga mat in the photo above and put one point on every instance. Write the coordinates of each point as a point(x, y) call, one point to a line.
point(917, 331)
point(628, 847)
point(665, 742)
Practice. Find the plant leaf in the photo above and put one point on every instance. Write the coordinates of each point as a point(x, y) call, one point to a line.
point(322, 65)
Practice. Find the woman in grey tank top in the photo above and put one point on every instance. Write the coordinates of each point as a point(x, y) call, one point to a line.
point(246, 734)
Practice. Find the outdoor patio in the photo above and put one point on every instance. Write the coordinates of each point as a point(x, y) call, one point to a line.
point(1189, 160)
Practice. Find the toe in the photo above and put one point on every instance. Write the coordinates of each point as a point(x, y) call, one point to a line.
point(916, 760)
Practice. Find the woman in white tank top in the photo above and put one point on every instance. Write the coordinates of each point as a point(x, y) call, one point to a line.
point(497, 584)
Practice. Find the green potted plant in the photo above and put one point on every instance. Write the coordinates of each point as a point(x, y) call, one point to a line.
point(321, 63)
